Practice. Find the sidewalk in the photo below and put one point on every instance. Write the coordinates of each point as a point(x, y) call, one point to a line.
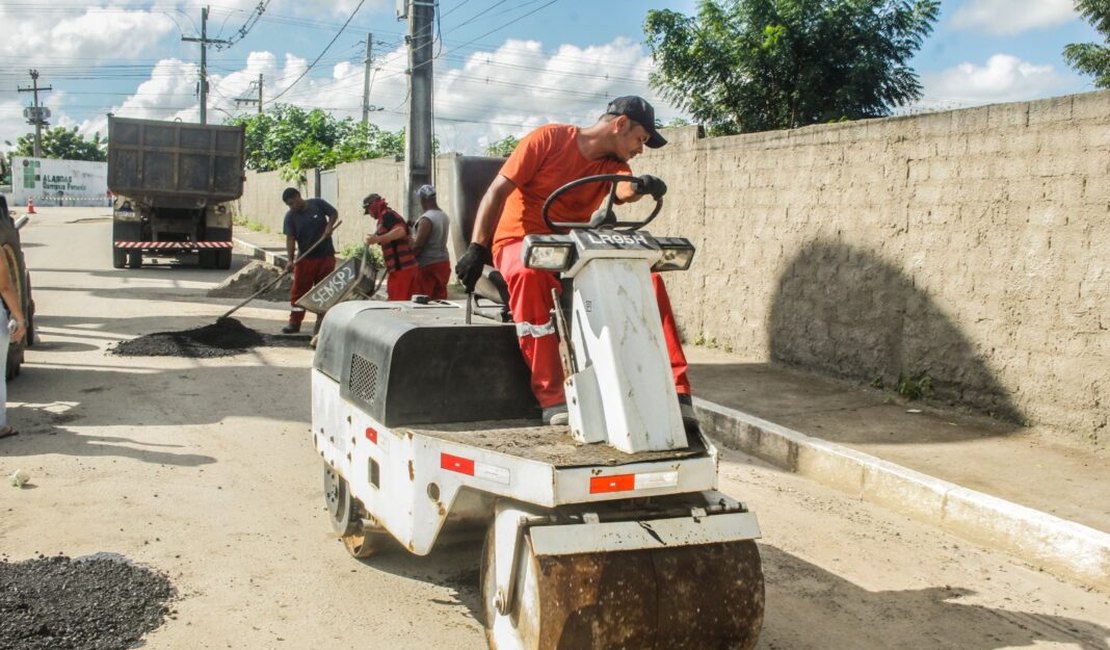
point(1044, 501)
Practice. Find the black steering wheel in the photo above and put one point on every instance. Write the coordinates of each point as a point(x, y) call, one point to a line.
point(604, 217)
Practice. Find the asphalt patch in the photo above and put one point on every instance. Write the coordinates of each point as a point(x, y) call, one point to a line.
point(225, 337)
point(97, 602)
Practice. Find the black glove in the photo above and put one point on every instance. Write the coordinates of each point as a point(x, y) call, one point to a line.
point(470, 266)
point(653, 185)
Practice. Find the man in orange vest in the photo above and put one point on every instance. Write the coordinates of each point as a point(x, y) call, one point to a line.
point(392, 234)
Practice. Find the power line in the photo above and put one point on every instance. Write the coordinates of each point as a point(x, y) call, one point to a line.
point(332, 42)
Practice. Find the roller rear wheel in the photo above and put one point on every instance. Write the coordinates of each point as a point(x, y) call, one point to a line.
point(360, 538)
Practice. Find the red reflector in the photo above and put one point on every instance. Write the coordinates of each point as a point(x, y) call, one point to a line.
point(618, 483)
point(372, 435)
point(457, 464)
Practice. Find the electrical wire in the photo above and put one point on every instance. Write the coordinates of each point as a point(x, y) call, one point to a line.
point(313, 64)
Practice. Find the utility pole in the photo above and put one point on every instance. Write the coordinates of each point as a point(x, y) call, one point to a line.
point(366, 82)
point(251, 100)
point(204, 42)
point(418, 140)
point(36, 114)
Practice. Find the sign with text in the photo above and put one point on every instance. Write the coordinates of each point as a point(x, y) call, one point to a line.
point(59, 182)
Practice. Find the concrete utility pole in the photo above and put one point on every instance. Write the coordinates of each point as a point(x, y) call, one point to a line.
point(366, 82)
point(204, 42)
point(36, 115)
point(239, 101)
point(418, 140)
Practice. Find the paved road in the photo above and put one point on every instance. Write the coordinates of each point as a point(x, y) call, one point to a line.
point(203, 469)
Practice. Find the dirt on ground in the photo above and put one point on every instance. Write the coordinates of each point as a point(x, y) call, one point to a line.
point(251, 279)
point(225, 337)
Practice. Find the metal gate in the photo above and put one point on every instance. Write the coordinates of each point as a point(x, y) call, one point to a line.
point(327, 186)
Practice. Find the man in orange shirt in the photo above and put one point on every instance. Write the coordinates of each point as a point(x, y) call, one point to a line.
point(546, 159)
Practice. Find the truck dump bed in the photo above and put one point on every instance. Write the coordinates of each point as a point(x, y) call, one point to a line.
point(150, 160)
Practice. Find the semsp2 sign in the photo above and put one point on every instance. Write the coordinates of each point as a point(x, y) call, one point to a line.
point(59, 182)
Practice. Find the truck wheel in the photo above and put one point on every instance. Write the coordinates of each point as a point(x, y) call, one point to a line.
point(135, 259)
point(207, 259)
point(360, 538)
point(223, 259)
point(15, 362)
point(119, 258)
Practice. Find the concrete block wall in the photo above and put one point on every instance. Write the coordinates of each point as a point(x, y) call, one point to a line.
point(964, 253)
point(261, 202)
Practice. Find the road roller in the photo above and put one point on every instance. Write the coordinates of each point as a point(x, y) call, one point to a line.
point(604, 533)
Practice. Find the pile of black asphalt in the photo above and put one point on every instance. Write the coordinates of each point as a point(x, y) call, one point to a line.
point(96, 602)
point(225, 337)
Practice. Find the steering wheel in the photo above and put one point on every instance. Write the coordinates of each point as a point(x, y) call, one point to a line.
point(604, 217)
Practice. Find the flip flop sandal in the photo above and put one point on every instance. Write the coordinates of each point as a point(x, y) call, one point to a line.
point(7, 432)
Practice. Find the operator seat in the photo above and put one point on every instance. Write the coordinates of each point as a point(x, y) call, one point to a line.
point(473, 176)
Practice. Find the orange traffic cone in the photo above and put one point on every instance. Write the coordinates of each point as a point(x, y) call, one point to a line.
point(31, 206)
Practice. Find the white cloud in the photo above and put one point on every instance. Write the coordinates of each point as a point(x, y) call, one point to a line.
point(1004, 78)
point(1009, 17)
point(46, 37)
point(518, 87)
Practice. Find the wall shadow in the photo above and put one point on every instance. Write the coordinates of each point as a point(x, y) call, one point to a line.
point(837, 612)
point(846, 312)
point(850, 616)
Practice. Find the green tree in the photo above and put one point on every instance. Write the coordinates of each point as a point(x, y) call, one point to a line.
point(503, 147)
point(63, 144)
point(293, 140)
point(1091, 58)
point(756, 65)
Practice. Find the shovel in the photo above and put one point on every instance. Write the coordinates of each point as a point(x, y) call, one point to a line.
point(273, 283)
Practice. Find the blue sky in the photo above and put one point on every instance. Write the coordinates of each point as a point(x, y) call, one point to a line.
point(502, 66)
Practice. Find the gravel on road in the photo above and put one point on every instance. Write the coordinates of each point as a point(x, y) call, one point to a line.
point(96, 602)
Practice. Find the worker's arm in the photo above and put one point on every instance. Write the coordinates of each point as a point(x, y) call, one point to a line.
point(332, 216)
point(11, 299)
point(470, 265)
point(423, 232)
point(290, 247)
point(394, 234)
point(489, 210)
point(632, 191)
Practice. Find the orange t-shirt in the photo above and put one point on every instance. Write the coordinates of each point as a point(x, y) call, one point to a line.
point(545, 160)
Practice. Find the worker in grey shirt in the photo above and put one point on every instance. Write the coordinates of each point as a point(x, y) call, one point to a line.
point(430, 247)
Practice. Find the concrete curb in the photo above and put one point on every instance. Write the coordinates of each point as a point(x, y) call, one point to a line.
point(1059, 546)
point(257, 252)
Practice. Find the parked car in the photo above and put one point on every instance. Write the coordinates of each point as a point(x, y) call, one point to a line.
point(21, 278)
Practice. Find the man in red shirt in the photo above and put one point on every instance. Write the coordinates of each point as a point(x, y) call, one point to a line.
point(546, 159)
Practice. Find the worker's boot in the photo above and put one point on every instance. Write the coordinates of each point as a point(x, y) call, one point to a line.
point(291, 328)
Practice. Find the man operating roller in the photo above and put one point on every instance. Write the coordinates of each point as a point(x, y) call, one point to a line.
point(546, 159)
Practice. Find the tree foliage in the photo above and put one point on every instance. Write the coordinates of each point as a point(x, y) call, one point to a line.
point(293, 140)
point(755, 65)
point(63, 144)
point(503, 147)
point(1092, 58)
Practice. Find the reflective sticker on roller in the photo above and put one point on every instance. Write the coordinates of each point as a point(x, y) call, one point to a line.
point(630, 482)
point(536, 331)
point(372, 435)
point(471, 468)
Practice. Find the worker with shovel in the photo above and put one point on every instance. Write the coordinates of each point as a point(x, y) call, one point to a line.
point(307, 227)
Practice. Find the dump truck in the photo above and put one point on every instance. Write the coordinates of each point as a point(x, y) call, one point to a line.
point(605, 533)
point(174, 184)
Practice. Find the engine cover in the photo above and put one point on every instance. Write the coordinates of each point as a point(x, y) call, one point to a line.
point(408, 364)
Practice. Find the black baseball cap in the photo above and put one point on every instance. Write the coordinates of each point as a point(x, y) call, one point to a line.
point(641, 112)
